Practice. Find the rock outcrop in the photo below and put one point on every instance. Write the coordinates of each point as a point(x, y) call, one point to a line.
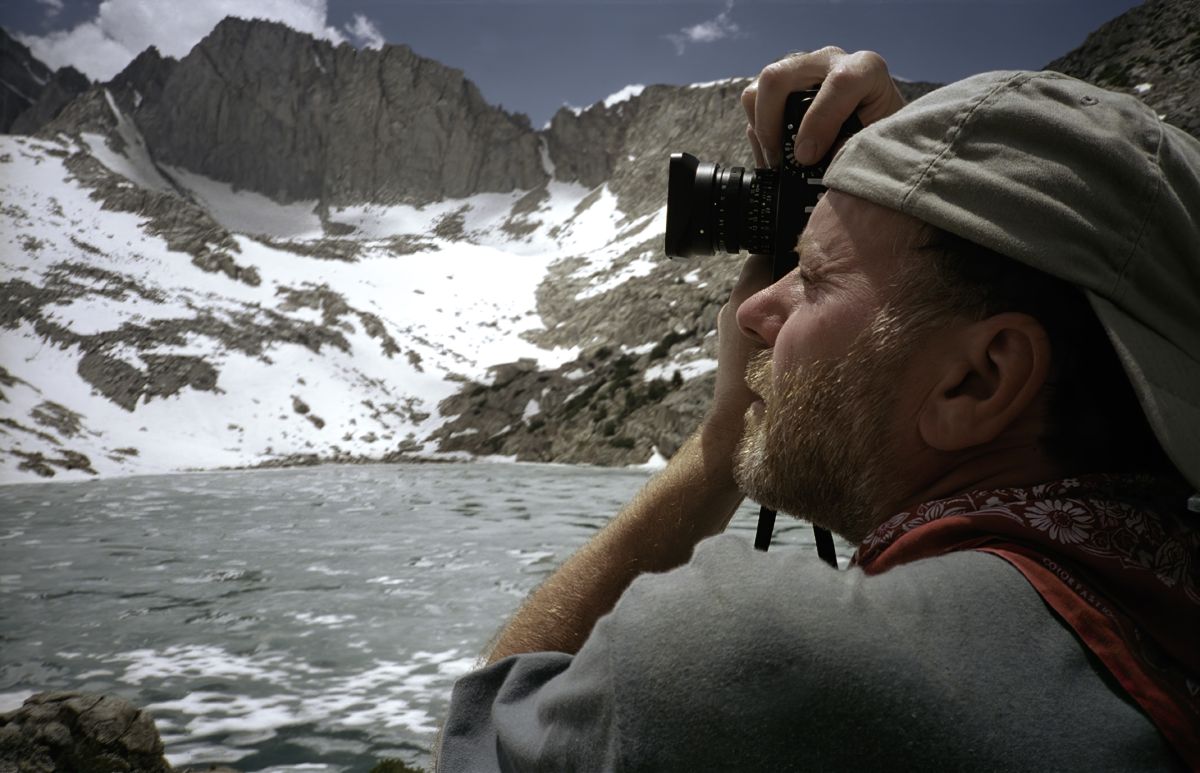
point(72, 731)
point(64, 85)
point(22, 78)
point(30, 93)
point(142, 80)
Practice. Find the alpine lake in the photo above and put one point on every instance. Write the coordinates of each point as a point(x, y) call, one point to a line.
point(299, 619)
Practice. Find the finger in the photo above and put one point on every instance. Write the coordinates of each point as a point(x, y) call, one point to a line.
point(760, 161)
point(855, 82)
point(882, 97)
point(775, 82)
point(749, 95)
point(823, 120)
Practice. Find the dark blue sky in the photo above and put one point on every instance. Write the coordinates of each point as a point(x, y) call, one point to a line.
point(535, 55)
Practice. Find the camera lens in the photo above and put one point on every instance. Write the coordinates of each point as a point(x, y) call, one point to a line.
point(712, 209)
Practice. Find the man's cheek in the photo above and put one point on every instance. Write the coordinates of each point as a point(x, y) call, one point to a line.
point(826, 334)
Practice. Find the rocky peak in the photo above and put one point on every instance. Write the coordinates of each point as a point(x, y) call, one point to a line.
point(585, 145)
point(30, 93)
point(142, 79)
point(22, 78)
point(267, 108)
point(64, 85)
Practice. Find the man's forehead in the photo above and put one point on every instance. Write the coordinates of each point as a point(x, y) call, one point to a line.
point(843, 226)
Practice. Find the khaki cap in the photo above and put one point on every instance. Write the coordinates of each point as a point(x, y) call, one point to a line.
point(1082, 183)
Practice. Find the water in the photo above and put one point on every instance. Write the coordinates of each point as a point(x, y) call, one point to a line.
point(304, 619)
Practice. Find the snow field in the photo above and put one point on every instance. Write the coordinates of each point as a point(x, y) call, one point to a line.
point(457, 305)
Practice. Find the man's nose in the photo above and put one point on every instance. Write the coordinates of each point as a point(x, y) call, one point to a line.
point(761, 316)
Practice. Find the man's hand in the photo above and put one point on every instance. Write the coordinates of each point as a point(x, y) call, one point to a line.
point(848, 82)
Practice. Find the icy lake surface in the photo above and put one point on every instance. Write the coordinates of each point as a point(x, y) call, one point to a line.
point(304, 619)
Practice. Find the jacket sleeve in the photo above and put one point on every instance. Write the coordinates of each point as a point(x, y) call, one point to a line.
point(540, 711)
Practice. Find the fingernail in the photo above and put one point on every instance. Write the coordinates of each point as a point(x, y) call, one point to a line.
point(806, 152)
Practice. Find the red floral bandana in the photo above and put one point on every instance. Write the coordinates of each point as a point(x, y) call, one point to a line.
point(1117, 557)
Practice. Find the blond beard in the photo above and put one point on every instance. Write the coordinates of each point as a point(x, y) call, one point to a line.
point(821, 449)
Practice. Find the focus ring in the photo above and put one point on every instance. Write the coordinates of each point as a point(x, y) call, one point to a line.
point(760, 215)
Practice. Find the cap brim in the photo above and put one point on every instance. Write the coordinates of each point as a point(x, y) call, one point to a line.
point(1165, 378)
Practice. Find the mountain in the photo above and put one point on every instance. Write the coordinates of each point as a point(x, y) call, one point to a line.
point(279, 251)
point(30, 93)
point(269, 109)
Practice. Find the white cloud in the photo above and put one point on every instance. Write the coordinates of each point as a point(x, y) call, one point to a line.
point(364, 32)
point(710, 31)
point(53, 7)
point(121, 29)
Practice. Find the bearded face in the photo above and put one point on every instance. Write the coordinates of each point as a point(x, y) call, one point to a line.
point(820, 447)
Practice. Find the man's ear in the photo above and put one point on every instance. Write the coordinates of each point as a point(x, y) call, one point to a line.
point(993, 371)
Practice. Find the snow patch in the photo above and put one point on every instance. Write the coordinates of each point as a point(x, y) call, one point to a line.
point(547, 162)
point(17, 91)
point(710, 84)
point(135, 163)
point(688, 370)
point(656, 461)
point(643, 265)
point(97, 314)
point(41, 80)
point(248, 212)
point(624, 95)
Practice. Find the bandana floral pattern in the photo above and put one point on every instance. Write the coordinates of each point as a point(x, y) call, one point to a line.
point(1115, 556)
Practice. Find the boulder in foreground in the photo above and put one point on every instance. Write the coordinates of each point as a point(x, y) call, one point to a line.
point(56, 731)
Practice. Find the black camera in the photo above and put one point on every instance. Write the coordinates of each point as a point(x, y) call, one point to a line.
point(713, 209)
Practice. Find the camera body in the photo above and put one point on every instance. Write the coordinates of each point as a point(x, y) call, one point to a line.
point(713, 209)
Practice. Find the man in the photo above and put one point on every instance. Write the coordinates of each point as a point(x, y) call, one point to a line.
point(986, 371)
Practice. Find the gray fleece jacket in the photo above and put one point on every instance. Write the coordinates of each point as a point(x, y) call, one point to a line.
point(743, 660)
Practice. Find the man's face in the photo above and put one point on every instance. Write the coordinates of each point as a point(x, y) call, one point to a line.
point(824, 441)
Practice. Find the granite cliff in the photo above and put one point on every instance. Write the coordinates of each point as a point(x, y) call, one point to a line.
point(273, 110)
